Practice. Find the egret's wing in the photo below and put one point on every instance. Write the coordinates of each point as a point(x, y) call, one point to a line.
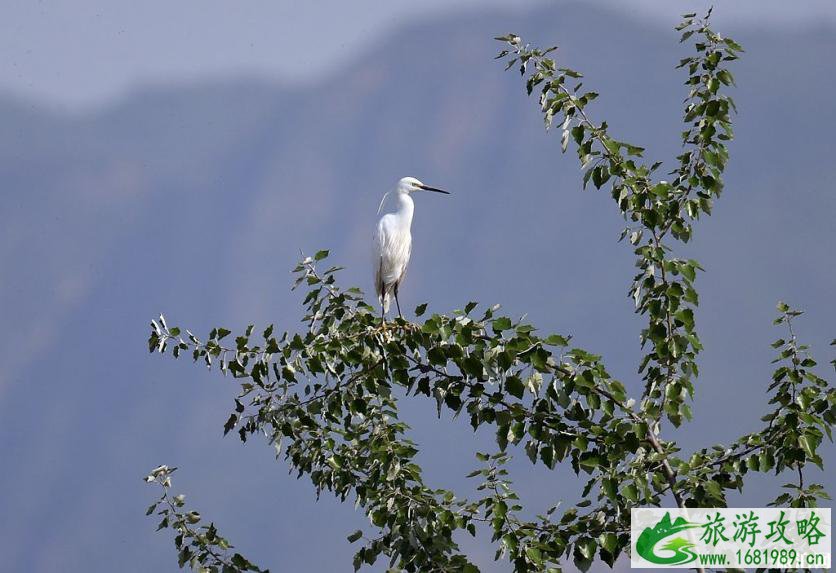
point(378, 244)
point(392, 249)
point(406, 262)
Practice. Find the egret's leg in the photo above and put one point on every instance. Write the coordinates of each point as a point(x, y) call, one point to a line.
point(397, 302)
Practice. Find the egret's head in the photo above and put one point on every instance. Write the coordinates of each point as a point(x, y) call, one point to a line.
point(411, 184)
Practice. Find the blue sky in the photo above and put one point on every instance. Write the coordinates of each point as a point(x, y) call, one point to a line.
point(79, 54)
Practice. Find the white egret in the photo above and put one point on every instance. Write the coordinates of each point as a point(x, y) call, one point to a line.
point(393, 242)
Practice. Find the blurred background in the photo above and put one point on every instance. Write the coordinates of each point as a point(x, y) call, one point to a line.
point(176, 158)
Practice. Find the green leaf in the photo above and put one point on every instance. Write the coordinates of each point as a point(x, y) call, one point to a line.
point(609, 487)
point(556, 340)
point(230, 423)
point(514, 386)
point(534, 554)
point(608, 541)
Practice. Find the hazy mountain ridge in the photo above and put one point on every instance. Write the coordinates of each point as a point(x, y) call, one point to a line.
point(196, 200)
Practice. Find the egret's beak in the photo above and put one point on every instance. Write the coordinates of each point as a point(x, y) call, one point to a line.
point(433, 189)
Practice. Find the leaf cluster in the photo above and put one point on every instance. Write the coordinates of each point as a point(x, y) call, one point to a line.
point(655, 209)
point(198, 545)
point(327, 399)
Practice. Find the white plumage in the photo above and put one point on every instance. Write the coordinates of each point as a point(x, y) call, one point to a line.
point(392, 245)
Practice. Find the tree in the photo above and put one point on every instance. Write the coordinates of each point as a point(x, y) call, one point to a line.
point(327, 397)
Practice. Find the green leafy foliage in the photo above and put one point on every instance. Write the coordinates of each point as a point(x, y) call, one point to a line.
point(655, 209)
point(327, 399)
point(327, 396)
point(199, 546)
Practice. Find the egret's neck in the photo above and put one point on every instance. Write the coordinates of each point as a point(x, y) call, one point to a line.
point(405, 208)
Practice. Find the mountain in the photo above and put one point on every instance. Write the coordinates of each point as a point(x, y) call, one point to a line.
point(195, 200)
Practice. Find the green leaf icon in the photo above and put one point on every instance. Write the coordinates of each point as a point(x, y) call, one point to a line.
point(680, 547)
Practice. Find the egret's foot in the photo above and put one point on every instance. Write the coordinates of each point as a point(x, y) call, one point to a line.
point(407, 324)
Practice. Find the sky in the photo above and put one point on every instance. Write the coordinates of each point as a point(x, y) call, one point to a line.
point(76, 55)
